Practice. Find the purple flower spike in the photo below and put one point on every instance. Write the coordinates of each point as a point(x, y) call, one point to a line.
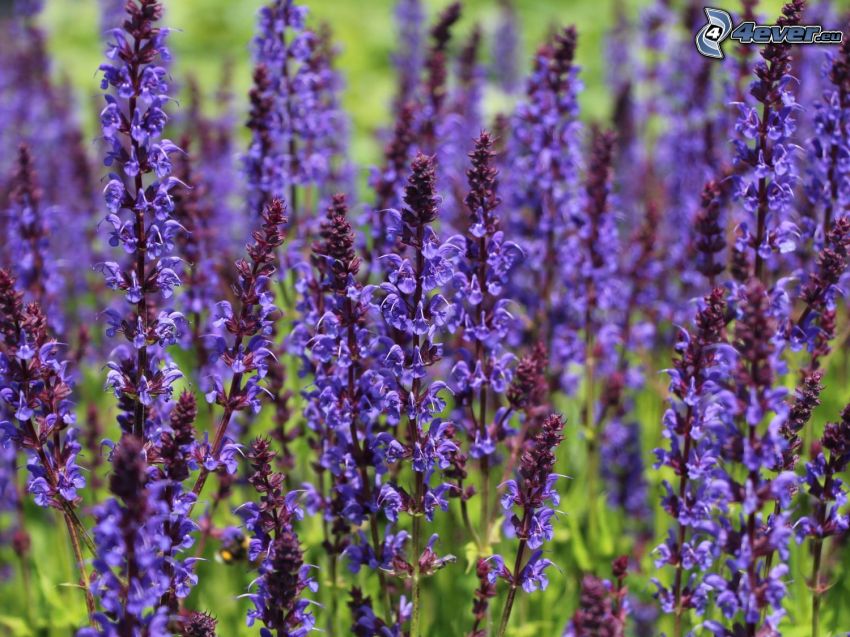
point(765, 158)
point(283, 575)
point(532, 496)
point(35, 394)
point(140, 213)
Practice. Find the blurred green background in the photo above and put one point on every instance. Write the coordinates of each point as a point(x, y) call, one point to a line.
point(212, 32)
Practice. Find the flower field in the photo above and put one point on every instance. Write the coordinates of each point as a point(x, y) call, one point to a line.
point(418, 319)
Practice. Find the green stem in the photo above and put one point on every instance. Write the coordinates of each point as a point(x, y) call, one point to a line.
point(509, 602)
point(81, 566)
point(592, 452)
point(415, 619)
point(332, 620)
point(816, 590)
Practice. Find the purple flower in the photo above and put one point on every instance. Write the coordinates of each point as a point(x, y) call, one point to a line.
point(131, 578)
point(506, 47)
point(767, 174)
point(35, 390)
point(283, 575)
point(409, 57)
point(140, 209)
point(697, 399)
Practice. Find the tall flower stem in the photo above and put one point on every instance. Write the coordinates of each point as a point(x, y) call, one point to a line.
point(592, 429)
point(509, 601)
point(817, 551)
point(81, 566)
point(817, 558)
point(416, 593)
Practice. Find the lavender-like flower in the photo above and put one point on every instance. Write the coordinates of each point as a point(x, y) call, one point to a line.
point(409, 58)
point(483, 371)
point(176, 456)
point(388, 182)
point(415, 314)
point(202, 247)
point(602, 609)
point(506, 48)
point(35, 387)
point(483, 594)
point(710, 239)
point(766, 170)
point(433, 97)
point(140, 214)
point(752, 504)
point(544, 169)
point(35, 391)
point(826, 183)
point(27, 252)
point(241, 345)
point(533, 495)
point(339, 349)
point(460, 127)
point(130, 579)
point(829, 493)
point(696, 395)
point(283, 573)
point(259, 162)
point(814, 327)
point(297, 127)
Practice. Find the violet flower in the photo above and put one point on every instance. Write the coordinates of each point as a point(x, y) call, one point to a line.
point(602, 610)
point(35, 388)
point(241, 344)
point(752, 503)
point(388, 182)
point(28, 251)
point(296, 122)
point(37, 416)
point(140, 215)
point(130, 579)
point(544, 167)
point(696, 398)
point(829, 147)
point(339, 349)
point(416, 314)
point(364, 621)
point(710, 239)
point(482, 372)
point(433, 91)
point(409, 58)
point(283, 575)
point(533, 496)
point(506, 48)
point(766, 172)
point(463, 121)
point(825, 487)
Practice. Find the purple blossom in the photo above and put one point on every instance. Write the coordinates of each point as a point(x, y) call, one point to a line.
point(765, 155)
point(283, 575)
point(140, 204)
point(409, 59)
point(697, 400)
point(506, 47)
point(131, 578)
point(35, 396)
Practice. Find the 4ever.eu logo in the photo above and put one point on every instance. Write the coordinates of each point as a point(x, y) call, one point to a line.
point(720, 27)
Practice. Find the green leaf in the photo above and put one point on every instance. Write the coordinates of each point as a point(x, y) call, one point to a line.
point(16, 625)
point(580, 553)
